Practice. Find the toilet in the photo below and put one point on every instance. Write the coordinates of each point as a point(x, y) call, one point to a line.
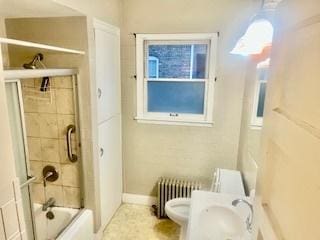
point(224, 181)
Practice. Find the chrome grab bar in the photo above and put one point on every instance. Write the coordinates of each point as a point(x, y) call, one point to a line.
point(72, 157)
point(30, 179)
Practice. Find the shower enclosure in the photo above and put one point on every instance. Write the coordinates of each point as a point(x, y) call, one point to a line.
point(45, 132)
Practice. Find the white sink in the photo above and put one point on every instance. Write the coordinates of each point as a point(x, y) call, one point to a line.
point(221, 222)
point(212, 217)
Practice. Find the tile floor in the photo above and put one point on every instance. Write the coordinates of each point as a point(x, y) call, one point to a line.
point(136, 222)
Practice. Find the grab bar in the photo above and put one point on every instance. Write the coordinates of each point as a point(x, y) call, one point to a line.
point(72, 157)
point(30, 179)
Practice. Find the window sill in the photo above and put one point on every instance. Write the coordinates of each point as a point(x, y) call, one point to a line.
point(174, 122)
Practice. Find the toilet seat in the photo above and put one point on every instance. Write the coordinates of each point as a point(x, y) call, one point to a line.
point(178, 210)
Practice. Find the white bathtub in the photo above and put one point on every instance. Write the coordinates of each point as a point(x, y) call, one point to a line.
point(68, 224)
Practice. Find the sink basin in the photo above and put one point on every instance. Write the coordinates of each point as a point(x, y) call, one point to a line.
point(213, 217)
point(220, 222)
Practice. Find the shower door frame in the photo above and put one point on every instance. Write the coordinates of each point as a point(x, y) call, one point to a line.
point(26, 184)
point(75, 84)
point(23, 123)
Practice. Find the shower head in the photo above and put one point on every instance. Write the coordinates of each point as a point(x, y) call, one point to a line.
point(33, 64)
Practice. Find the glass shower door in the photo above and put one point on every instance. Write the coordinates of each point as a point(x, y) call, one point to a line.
point(13, 93)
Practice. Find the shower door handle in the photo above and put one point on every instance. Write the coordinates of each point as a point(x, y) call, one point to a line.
point(30, 179)
point(72, 157)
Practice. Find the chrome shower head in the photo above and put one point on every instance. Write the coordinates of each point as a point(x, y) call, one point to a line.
point(33, 64)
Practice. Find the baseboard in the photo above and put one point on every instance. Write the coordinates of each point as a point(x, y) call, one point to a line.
point(138, 199)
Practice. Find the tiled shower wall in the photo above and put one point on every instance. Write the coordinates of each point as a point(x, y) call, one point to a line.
point(47, 115)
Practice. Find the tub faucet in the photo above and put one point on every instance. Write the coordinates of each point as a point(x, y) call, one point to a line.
point(51, 201)
point(249, 220)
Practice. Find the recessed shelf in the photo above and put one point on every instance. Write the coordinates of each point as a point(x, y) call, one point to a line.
point(37, 73)
point(39, 45)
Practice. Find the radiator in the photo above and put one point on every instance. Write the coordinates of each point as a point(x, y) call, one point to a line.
point(169, 188)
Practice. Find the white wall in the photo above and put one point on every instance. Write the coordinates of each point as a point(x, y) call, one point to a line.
point(151, 151)
point(106, 10)
point(249, 142)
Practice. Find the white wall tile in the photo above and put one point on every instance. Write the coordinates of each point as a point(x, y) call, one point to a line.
point(50, 150)
point(11, 212)
point(10, 217)
point(6, 195)
point(20, 215)
point(16, 237)
point(32, 124)
point(2, 233)
point(48, 125)
point(65, 103)
point(34, 147)
point(24, 236)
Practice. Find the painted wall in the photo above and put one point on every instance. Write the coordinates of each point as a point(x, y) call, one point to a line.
point(249, 142)
point(151, 151)
point(105, 10)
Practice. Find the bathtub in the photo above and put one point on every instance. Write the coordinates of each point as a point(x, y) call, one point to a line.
point(68, 224)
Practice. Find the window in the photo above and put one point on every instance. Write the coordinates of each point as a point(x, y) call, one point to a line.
point(175, 78)
point(260, 93)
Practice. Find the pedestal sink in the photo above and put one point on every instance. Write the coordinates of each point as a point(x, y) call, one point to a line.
point(212, 217)
point(220, 222)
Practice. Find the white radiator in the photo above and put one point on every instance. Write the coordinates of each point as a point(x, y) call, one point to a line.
point(169, 188)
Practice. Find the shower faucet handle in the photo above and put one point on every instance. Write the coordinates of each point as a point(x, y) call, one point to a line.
point(49, 174)
point(30, 180)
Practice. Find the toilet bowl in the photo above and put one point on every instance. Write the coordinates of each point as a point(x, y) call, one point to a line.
point(224, 181)
point(178, 211)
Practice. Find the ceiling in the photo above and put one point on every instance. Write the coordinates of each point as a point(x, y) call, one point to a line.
point(34, 8)
point(271, 4)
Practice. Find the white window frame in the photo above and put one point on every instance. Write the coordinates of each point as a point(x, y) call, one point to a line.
point(143, 116)
point(255, 120)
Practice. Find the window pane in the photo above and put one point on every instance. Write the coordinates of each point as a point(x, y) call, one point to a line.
point(174, 60)
point(176, 97)
point(178, 60)
point(153, 68)
point(262, 96)
point(199, 61)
